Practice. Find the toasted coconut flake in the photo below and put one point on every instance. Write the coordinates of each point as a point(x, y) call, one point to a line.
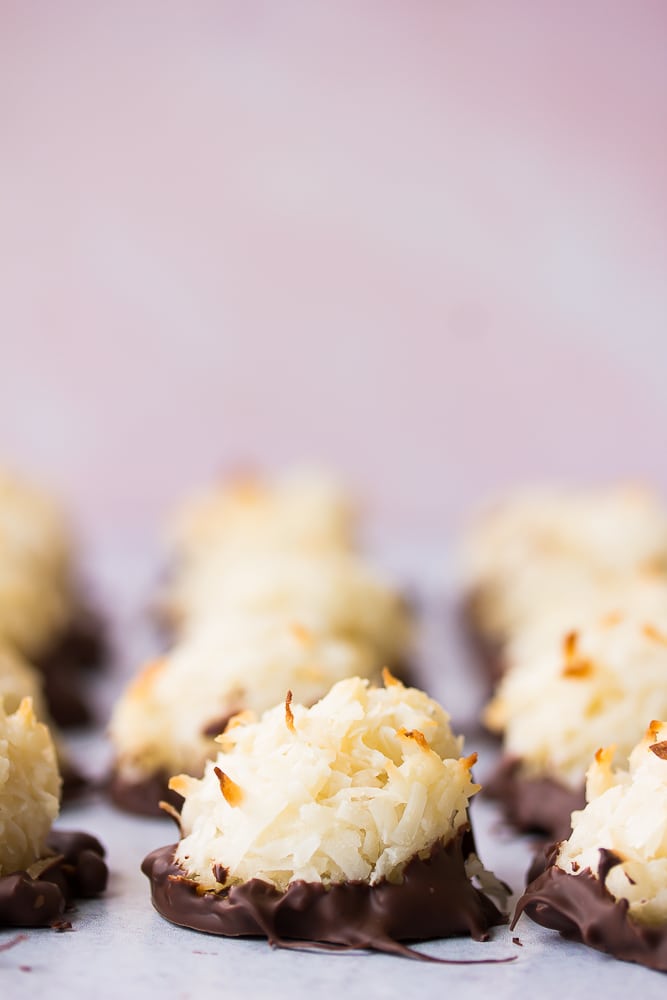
point(171, 811)
point(580, 669)
point(230, 790)
point(654, 633)
point(570, 642)
point(417, 736)
point(289, 717)
point(388, 678)
point(144, 682)
point(653, 730)
point(181, 783)
point(301, 633)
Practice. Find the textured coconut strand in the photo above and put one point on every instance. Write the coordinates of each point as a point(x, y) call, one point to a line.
point(29, 788)
point(349, 790)
point(626, 814)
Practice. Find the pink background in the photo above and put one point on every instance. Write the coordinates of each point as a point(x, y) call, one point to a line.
point(423, 242)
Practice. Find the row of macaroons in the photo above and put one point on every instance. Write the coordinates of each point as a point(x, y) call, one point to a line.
point(347, 824)
point(266, 593)
point(45, 622)
point(566, 598)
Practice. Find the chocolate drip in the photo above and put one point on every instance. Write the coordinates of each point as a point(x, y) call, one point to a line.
point(76, 870)
point(436, 899)
point(534, 805)
point(144, 796)
point(582, 909)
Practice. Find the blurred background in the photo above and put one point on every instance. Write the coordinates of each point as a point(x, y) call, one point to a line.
point(424, 243)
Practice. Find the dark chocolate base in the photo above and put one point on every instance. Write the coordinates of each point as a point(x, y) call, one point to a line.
point(80, 648)
point(486, 653)
point(582, 909)
point(143, 797)
point(75, 783)
point(436, 899)
point(77, 870)
point(534, 805)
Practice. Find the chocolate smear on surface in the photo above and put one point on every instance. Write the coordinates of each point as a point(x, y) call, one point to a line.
point(75, 868)
point(534, 804)
point(581, 908)
point(143, 796)
point(7, 945)
point(436, 899)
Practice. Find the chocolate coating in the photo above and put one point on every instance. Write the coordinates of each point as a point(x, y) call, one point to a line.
point(81, 647)
point(534, 805)
point(77, 870)
point(143, 797)
point(486, 653)
point(436, 899)
point(582, 909)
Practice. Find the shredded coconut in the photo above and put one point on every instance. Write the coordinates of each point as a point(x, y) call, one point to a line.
point(627, 814)
point(29, 788)
point(350, 789)
point(563, 700)
point(164, 720)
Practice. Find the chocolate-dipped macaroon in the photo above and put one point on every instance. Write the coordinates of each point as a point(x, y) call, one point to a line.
point(606, 885)
point(560, 700)
point(41, 870)
point(343, 825)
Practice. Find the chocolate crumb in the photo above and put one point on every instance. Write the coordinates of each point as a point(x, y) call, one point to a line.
point(61, 926)
point(75, 868)
point(517, 941)
point(220, 873)
point(659, 749)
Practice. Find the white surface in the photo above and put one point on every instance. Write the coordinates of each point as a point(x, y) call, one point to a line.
point(120, 946)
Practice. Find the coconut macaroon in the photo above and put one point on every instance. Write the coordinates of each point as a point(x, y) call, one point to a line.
point(527, 552)
point(336, 592)
point(561, 702)
point(302, 510)
point(168, 717)
point(41, 870)
point(606, 885)
point(345, 823)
